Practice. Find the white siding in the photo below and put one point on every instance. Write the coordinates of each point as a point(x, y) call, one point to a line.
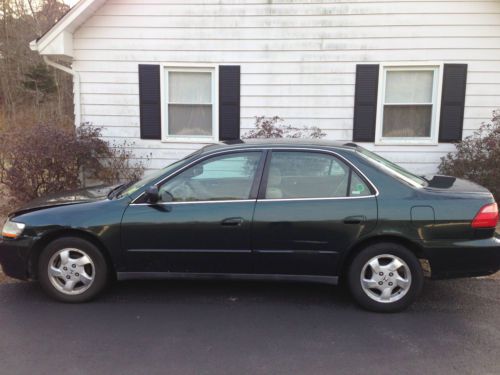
point(297, 57)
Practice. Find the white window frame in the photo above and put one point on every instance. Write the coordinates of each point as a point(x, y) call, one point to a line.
point(436, 103)
point(189, 68)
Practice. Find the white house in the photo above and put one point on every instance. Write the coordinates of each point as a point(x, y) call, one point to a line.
point(406, 78)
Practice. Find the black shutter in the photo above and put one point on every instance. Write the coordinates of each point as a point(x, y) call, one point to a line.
point(452, 102)
point(229, 102)
point(150, 101)
point(365, 103)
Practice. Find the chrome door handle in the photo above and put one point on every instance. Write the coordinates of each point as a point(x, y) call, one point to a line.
point(354, 219)
point(232, 221)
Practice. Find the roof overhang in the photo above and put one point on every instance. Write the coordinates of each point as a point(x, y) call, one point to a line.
point(58, 41)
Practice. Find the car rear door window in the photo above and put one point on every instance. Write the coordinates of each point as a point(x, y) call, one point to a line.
point(295, 175)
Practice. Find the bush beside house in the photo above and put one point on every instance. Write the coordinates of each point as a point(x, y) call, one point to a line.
point(45, 159)
point(477, 157)
point(275, 127)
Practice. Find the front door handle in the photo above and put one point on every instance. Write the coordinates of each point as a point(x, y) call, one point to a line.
point(232, 222)
point(354, 219)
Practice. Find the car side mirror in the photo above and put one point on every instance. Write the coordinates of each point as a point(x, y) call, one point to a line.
point(152, 194)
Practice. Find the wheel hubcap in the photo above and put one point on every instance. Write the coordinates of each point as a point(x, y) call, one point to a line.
point(386, 278)
point(71, 271)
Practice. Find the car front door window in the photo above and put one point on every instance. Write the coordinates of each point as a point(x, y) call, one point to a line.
point(220, 178)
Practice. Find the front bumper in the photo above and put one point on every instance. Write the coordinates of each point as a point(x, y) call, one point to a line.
point(14, 257)
point(452, 259)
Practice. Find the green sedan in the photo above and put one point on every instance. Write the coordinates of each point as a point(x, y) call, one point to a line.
point(316, 212)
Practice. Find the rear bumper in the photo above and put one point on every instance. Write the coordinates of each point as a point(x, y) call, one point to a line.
point(14, 257)
point(451, 259)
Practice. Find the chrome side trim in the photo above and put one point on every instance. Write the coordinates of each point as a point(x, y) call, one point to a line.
point(195, 202)
point(349, 163)
point(254, 200)
point(304, 252)
point(229, 251)
point(310, 199)
point(333, 280)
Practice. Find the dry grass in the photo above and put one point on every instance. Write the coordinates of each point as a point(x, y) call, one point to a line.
point(494, 277)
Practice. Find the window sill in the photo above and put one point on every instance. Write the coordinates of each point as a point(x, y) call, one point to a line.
point(203, 140)
point(406, 142)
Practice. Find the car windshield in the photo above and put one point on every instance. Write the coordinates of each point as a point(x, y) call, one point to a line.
point(394, 169)
point(150, 178)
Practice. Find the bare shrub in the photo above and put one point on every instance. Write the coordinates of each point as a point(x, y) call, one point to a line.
point(274, 127)
point(477, 157)
point(44, 159)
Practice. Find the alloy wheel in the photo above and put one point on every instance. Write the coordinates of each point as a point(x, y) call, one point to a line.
point(386, 278)
point(71, 271)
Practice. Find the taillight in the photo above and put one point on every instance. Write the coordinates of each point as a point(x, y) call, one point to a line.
point(487, 217)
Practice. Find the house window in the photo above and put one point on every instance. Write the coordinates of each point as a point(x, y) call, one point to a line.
point(408, 105)
point(190, 110)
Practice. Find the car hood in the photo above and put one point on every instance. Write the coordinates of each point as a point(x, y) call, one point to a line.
point(454, 185)
point(90, 194)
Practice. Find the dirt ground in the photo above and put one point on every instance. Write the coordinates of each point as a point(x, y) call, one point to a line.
point(3, 279)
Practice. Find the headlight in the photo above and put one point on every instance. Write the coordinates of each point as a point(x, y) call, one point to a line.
point(11, 229)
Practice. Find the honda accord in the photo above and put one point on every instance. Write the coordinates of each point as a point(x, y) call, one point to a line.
point(318, 212)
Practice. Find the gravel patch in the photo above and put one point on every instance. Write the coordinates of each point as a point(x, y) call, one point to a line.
point(5, 279)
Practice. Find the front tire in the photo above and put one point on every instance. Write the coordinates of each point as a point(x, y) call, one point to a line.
point(385, 277)
point(71, 269)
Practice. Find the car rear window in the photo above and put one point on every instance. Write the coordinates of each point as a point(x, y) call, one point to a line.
point(393, 169)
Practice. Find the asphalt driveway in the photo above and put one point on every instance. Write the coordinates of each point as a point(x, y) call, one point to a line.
point(249, 328)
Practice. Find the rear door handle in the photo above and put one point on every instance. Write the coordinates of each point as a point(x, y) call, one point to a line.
point(232, 222)
point(354, 219)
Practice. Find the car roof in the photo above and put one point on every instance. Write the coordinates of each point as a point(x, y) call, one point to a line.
point(280, 142)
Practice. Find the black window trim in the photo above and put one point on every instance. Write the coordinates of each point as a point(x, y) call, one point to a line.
point(349, 183)
point(448, 118)
point(261, 174)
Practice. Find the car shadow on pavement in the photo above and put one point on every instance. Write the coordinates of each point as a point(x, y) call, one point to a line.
point(215, 292)
point(445, 295)
point(436, 295)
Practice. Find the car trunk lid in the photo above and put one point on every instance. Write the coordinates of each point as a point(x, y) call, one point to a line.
point(448, 184)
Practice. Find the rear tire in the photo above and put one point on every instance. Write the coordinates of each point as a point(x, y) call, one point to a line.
point(385, 277)
point(71, 269)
